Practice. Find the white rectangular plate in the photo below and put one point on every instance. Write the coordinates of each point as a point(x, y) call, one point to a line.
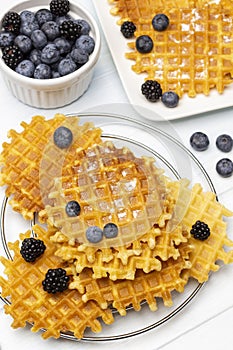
point(132, 82)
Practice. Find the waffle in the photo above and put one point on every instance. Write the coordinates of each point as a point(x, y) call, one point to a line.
point(145, 286)
point(22, 171)
point(203, 206)
point(124, 267)
point(110, 185)
point(55, 313)
point(134, 10)
point(193, 55)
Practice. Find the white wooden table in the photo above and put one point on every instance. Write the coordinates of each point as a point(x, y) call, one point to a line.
point(207, 322)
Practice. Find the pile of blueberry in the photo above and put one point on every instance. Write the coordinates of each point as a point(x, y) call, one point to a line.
point(151, 89)
point(45, 44)
point(200, 142)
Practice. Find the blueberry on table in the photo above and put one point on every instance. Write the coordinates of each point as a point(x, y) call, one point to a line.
point(144, 44)
point(73, 209)
point(62, 137)
point(224, 143)
point(170, 99)
point(199, 141)
point(224, 167)
point(94, 234)
point(26, 68)
point(160, 22)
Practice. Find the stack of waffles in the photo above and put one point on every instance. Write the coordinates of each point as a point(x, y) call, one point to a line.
point(194, 54)
point(152, 256)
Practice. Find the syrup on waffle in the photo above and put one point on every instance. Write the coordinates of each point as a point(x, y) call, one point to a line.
point(21, 158)
point(145, 286)
point(55, 313)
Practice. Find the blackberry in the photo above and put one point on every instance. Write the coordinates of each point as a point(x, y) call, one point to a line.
point(12, 56)
point(59, 7)
point(11, 22)
point(70, 30)
point(200, 230)
point(151, 89)
point(31, 249)
point(55, 281)
point(127, 29)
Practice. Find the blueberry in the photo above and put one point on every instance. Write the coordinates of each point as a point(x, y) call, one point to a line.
point(55, 74)
point(25, 68)
point(27, 28)
point(85, 43)
point(27, 16)
point(35, 56)
point(24, 43)
point(66, 66)
point(224, 143)
point(42, 71)
point(110, 230)
point(39, 39)
point(51, 30)
point(73, 208)
point(6, 39)
point(199, 141)
point(85, 26)
point(62, 137)
point(160, 22)
point(43, 16)
point(170, 99)
point(94, 234)
point(144, 44)
point(50, 54)
point(224, 167)
point(80, 57)
point(63, 45)
point(59, 20)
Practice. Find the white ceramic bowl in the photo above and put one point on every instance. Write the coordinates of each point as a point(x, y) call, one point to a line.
point(52, 93)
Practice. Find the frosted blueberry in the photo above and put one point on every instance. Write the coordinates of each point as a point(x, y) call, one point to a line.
point(51, 30)
point(224, 167)
point(94, 234)
point(42, 71)
point(24, 43)
point(224, 143)
point(73, 209)
point(62, 137)
point(199, 141)
point(25, 68)
point(110, 230)
point(50, 54)
point(59, 20)
point(43, 16)
point(6, 39)
point(85, 43)
point(85, 27)
point(66, 66)
point(63, 45)
point(80, 57)
point(27, 16)
point(160, 22)
point(39, 39)
point(170, 99)
point(27, 28)
point(35, 56)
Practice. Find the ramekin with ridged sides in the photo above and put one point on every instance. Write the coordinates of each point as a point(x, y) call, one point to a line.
point(57, 92)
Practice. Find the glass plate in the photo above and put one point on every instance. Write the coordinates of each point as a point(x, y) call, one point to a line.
point(177, 162)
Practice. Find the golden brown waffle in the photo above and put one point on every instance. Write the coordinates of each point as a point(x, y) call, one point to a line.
point(60, 312)
point(110, 185)
point(167, 245)
point(203, 206)
point(195, 53)
point(145, 286)
point(134, 10)
point(21, 159)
